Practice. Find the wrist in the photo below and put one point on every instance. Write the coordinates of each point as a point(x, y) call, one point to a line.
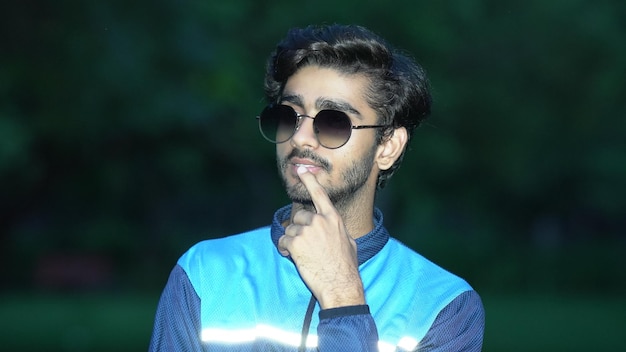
point(342, 297)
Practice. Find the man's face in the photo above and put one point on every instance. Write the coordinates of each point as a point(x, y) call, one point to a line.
point(343, 171)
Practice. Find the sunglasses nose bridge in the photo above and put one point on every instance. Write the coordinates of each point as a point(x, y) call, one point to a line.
point(299, 118)
point(307, 135)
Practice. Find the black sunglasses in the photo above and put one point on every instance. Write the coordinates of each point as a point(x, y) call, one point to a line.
point(333, 128)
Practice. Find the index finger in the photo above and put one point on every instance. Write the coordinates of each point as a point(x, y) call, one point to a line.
point(316, 191)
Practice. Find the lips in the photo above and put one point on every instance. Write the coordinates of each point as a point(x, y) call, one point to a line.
point(304, 162)
point(310, 165)
point(304, 158)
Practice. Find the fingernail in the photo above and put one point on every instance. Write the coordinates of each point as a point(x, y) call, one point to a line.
point(301, 170)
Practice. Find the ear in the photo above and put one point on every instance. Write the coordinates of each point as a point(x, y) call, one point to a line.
point(391, 148)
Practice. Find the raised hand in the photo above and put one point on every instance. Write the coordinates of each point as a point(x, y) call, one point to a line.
point(324, 253)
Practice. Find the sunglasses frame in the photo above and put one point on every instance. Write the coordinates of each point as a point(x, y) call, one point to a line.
point(298, 123)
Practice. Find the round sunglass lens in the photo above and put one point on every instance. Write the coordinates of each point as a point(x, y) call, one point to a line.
point(277, 123)
point(333, 128)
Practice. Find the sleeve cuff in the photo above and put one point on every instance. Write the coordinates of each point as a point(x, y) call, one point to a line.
point(344, 311)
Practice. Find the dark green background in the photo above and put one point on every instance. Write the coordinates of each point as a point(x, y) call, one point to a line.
point(127, 134)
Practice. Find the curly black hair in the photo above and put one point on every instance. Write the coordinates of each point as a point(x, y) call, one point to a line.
point(399, 91)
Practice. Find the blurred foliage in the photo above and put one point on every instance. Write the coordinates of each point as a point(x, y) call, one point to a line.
point(127, 132)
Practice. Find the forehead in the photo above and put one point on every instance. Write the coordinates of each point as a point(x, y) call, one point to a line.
point(311, 85)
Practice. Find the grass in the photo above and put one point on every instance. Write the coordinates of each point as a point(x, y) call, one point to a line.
point(123, 322)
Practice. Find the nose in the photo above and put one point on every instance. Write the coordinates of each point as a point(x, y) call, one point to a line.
point(304, 136)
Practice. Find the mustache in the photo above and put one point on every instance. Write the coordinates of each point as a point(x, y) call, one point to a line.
point(306, 154)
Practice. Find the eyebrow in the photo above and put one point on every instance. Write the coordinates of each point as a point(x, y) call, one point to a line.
point(322, 103)
point(292, 99)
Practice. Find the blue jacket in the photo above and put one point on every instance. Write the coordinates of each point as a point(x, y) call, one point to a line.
point(239, 294)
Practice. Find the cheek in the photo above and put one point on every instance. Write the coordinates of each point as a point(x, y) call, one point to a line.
point(363, 143)
point(281, 150)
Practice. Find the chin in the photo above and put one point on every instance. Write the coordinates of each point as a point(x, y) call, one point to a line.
point(299, 195)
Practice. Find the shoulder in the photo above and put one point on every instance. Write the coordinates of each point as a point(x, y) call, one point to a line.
point(409, 272)
point(227, 252)
point(412, 265)
point(401, 280)
point(229, 245)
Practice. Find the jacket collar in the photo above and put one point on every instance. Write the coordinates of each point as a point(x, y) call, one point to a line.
point(367, 246)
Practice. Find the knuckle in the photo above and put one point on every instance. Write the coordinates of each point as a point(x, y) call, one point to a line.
point(291, 230)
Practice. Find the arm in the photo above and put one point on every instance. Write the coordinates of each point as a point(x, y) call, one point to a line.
point(177, 321)
point(458, 327)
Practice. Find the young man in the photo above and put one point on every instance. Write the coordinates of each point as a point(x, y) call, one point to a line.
point(325, 275)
